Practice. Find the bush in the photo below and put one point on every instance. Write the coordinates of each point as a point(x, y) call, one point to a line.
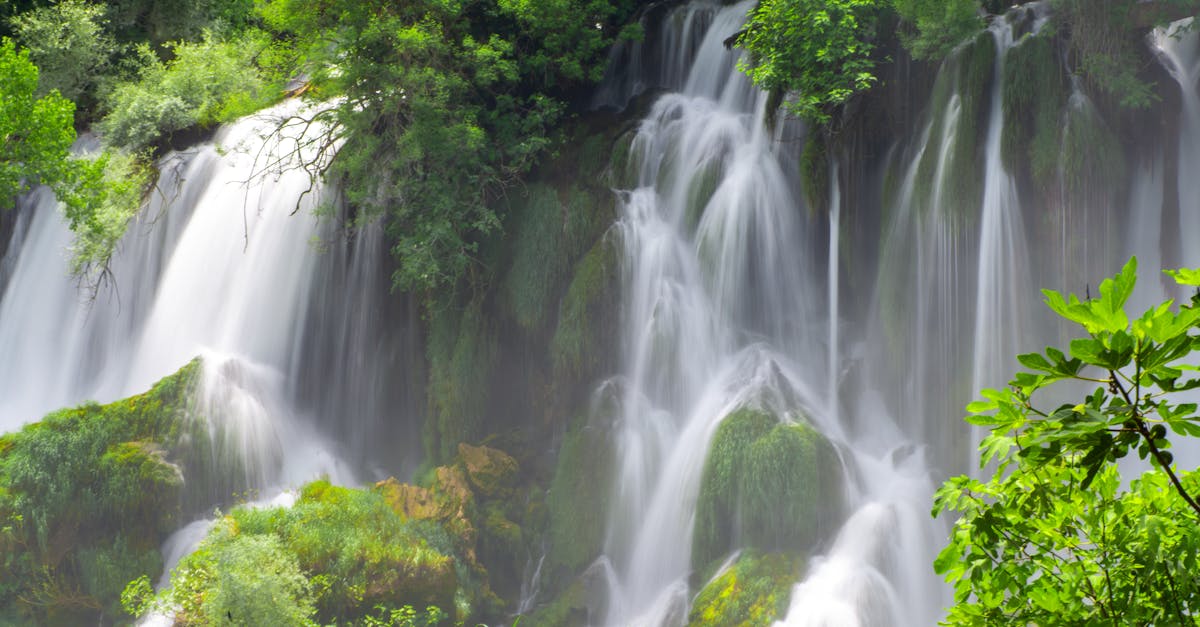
point(206, 83)
point(68, 43)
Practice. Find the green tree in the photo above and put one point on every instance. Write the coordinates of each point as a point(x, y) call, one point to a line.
point(932, 28)
point(819, 51)
point(36, 133)
point(68, 44)
point(1056, 535)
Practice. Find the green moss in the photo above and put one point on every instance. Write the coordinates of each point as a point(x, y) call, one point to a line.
point(1034, 93)
point(623, 167)
point(88, 494)
point(587, 316)
point(580, 494)
point(1092, 161)
point(966, 76)
point(767, 485)
point(814, 172)
point(539, 251)
point(551, 228)
point(568, 609)
point(754, 591)
point(461, 349)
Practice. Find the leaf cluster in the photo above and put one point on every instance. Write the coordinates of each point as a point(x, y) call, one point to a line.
point(1055, 535)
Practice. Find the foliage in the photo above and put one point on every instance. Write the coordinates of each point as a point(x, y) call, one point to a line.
point(68, 43)
point(115, 183)
point(441, 106)
point(1055, 535)
point(1105, 42)
point(753, 591)
point(36, 132)
point(206, 83)
point(244, 579)
point(86, 497)
point(337, 556)
point(765, 484)
point(935, 27)
point(819, 50)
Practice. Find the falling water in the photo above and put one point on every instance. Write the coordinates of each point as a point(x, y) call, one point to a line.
point(224, 264)
point(718, 296)
point(1178, 46)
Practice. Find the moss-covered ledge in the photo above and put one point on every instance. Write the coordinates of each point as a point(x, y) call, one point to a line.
point(87, 496)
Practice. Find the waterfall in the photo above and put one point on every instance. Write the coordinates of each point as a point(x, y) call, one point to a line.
point(1177, 47)
point(224, 264)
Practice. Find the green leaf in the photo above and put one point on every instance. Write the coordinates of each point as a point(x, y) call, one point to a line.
point(1185, 276)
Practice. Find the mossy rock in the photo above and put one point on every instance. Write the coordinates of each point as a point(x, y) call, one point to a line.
point(766, 484)
point(90, 493)
point(461, 348)
point(568, 609)
point(580, 495)
point(753, 592)
point(492, 472)
point(587, 316)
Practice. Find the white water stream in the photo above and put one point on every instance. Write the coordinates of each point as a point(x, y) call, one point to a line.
point(218, 267)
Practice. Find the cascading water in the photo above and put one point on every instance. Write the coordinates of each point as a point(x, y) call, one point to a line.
point(723, 310)
point(216, 266)
point(719, 306)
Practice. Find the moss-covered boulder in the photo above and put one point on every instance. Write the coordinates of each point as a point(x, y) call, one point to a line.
point(766, 484)
point(473, 501)
point(87, 496)
point(336, 556)
point(754, 591)
point(492, 472)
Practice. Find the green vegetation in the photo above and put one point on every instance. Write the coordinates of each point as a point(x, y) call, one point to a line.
point(586, 320)
point(934, 27)
point(69, 45)
point(337, 556)
point(37, 131)
point(1052, 534)
point(580, 494)
point(443, 105)
point(461, 349)
point(754, 591)
point(1034, 96)
point(87, 495)
point(205, 83)
point(767, 485)
point(818, 50)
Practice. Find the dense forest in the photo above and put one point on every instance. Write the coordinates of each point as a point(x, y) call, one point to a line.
point(599, 312)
